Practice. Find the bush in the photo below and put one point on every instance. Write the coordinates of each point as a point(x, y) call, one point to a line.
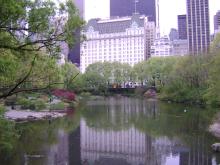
point(85, 94)
point(58, 106)
point(64, 94)
point(39, 104)
point(34, 104)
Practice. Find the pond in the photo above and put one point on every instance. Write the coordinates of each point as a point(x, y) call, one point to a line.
point(119, 131)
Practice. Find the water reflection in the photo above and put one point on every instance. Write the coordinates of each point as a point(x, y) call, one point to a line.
point(119, 131)
point(135, 132)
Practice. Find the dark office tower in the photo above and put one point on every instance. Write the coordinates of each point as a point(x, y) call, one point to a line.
point(217, 22)
point(128, 7)
point(74, 53)
point(198, 26)
point(182, 27)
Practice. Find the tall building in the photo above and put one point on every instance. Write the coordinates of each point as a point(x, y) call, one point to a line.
point(124, 39)
point(182, 27)
point(74, 52)
point(173, 34)
point(217, 22)
point(161, 48)
point(179, 47)
point(198, 26)
point(122, 8)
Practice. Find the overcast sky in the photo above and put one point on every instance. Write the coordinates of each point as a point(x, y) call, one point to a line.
point(169, 9)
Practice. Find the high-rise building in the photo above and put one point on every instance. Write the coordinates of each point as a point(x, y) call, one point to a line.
point(124, 39)
point(161, 47)
point(74, 53)
point(198, 26)
point(217, 22)
point(122, 8)
point(173, 34)
point(179, 47)
point(182, 27)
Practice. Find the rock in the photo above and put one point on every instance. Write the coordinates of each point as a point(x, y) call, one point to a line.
point(151, 93)
point(216, 147)
point(31, 118)
point(215, 129)
point(47, 116)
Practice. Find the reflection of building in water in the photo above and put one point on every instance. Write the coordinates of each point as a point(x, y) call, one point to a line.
point(58, 153)
point(121, 143)
point(198, 153)
point(74, 147)
point(129, 146)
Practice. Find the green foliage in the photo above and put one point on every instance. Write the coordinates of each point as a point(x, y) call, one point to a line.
point(212, 94)
point(94, 82)
point(69, 73)
point(8, 134)
point(193, 79)
point(58, 106)
point(47, 22)
point(32, 104)
point(31, 33)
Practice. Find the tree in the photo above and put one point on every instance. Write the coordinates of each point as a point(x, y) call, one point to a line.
point(27, 25)
point(69, 72)
point(28, 29)
point(139, 71)
point(212, 94)
point(94, 82)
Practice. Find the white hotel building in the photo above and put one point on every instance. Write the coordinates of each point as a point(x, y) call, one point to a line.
point(125, 40)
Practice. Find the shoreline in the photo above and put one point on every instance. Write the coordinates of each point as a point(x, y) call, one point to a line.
point(27, 115)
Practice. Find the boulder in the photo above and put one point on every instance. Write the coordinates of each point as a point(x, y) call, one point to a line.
point(151, 93)
point(216, 147)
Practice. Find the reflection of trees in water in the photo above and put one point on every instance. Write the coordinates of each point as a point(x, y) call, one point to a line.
point(169, 129)
point(42, 138)
point(118, 113)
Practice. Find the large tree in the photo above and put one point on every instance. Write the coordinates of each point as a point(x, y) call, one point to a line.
point(28, 29)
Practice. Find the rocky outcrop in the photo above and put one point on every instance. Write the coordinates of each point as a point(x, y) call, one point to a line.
point(214, 128)
point(216, 147)
point(21, 115)
point(150, 93)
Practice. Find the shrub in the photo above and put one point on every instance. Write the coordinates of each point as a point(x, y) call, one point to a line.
point(35, 104)
point(39, 104)
point(85, 94)
point(58, 106)
point(64, 94)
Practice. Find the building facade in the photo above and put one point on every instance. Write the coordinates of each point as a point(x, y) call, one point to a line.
point(125, 40)
point(128, 7)
point(173, 34)
point(179, 47)
point(182, 27)
point(198, 26)
point(161, 47)
point(217, 23)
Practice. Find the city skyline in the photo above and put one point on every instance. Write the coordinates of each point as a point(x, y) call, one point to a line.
point(101, 9)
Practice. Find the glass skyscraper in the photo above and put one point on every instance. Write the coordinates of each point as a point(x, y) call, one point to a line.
point(182, 27)
point(198, 26)
point(128, 7)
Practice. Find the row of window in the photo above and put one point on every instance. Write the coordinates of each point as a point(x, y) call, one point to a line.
point(92, 34)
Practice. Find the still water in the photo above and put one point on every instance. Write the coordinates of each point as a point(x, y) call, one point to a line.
point(119, 131)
